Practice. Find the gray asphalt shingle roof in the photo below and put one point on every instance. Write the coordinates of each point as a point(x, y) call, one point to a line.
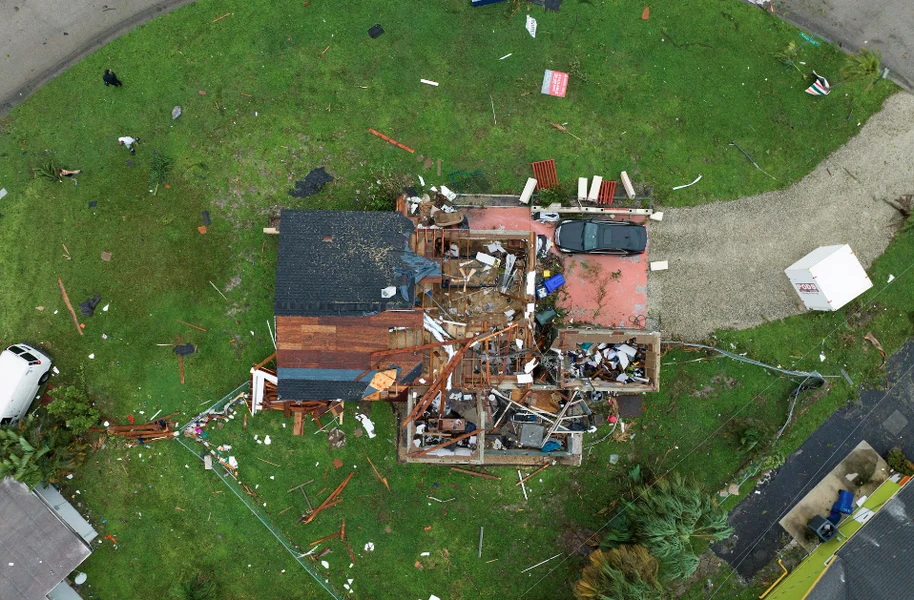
point(337, 262)
point(37, 548)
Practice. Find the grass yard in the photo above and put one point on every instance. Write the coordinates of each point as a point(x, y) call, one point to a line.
point(661, 99)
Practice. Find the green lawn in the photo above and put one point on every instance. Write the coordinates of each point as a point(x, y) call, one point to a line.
point(649, 97)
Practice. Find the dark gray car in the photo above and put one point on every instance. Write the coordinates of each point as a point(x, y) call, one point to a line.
point(601, 237)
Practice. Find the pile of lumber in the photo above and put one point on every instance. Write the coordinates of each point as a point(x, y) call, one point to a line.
point(143, 433)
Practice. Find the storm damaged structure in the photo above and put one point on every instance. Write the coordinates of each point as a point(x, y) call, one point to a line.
point(449, 326)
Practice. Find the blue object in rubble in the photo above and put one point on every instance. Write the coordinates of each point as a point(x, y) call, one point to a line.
point(845, 503)
point(554, 282)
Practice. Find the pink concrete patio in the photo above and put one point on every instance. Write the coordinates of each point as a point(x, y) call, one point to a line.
point(603, 290)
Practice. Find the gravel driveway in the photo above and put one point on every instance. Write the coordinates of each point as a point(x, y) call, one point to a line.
point(727, 259)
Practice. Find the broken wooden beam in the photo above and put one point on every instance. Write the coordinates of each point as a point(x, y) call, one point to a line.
point(383, 479)
point(329, 501)
point(539, 470)
point(66, 300)
point(325, 538)
point(475, 473)
point(189, 324)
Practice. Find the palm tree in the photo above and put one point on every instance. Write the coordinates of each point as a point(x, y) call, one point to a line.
point(863, 67)
point(35, 452)
point(623, 573)
point(671, 519)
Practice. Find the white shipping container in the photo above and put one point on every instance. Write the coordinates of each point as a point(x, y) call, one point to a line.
point(828, 277)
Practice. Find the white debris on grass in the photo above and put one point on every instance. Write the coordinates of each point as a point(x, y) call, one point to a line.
point(366, 424)
point(369, 547)
point(325, 564)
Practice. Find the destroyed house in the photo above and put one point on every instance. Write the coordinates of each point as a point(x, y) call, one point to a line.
point(442, 322)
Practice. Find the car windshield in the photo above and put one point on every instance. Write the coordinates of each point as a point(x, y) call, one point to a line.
point(590, 236)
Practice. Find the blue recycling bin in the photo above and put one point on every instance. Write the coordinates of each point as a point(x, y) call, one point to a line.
point(845, 503)
point(554, 282)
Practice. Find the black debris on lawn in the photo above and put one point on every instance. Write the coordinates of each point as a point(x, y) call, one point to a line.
point(129, 163)
point(553, 5)
point(312, 183)
point(537, 2)
point(630, 407)
point(93, 204)
point(88, 306)
point(206, 220)
point(185, 349)
point(375, 31)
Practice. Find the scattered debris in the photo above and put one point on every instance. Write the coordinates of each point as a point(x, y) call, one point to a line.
point(220, 18)
point(555, 83)
point(181, 322)
point(87, 307)
point(185, 349)
point(475, 473)
point(531, 26)
point(391, 141)
point(217, 290)
point(382, 479)
point(821, 86)
point(66, 300)
point(106, 256)
point(312, 184)
point(564, 129)
point(375, 32)
point(872, 339)
point(679, 187)
point(175, 113)
point(427, 82)
point(646, 14)
point(541, 563)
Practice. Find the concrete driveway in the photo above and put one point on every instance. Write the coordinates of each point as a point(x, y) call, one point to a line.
point(886, 25)
point(39, 39)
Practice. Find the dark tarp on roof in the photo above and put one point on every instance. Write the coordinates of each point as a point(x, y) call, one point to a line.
point(42, 548)
point(877, 563)
point(337, 262)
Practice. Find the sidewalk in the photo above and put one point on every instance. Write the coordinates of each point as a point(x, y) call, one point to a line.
point(39, 39)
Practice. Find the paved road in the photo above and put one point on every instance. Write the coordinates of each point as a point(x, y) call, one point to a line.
point(886, 25)
point(39, 39)
point(884, 419)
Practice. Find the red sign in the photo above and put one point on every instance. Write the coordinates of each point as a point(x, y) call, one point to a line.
point(555, 83)
point(807, 288)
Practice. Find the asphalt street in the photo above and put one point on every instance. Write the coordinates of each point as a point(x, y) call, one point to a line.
point(40, 39)
point(883, 418)
point(885, 25)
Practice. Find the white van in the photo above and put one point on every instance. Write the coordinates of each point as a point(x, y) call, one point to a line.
point(22, 371)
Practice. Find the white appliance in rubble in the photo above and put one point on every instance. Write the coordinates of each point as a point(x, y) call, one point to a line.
point(828, 277)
